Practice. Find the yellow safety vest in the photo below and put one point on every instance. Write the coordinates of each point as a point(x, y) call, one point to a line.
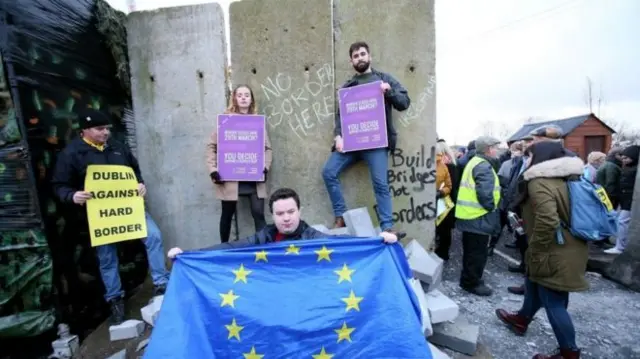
point(467, 205)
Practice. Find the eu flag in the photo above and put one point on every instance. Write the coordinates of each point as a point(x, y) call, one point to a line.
point(316, 299)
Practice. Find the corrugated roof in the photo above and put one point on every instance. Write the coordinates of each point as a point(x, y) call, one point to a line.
point(567, 125)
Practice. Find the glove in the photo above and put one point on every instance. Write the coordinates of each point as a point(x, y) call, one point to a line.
point(215, 177)
point(266, 171)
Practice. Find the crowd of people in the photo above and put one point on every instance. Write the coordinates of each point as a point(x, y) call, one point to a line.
point(525, 190)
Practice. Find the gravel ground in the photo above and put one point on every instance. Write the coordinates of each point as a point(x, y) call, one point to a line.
point(606, 317)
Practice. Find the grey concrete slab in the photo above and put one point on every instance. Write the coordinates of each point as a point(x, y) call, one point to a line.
point(178, 61)
point(283, 50)
point(401, 35)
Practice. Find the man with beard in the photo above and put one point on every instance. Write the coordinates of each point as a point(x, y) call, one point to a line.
point(395, 97)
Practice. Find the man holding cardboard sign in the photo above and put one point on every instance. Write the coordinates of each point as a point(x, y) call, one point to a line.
point(364, 131)
point(104, 175)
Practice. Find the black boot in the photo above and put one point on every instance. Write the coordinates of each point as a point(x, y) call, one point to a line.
point(517, 269)
point(117, 311)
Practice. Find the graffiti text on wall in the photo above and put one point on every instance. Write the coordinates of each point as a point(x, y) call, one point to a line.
point(301, 108)
point(411, 174)
point(420, 104)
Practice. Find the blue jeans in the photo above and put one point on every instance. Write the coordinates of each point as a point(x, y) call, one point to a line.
point(108, 259)
point(378, 164)
point(555, 303)
point(624, 218)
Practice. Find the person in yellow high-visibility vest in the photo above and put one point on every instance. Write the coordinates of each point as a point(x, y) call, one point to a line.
point(477, 214)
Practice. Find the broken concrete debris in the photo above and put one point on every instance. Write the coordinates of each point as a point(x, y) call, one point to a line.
point(441, 308)
point(119, 355)
point(459, 336)
point(425, 266)
point(359, 222)
point(150, 311)
point(437, 353)
point(129, 329)
point(447, 328)
point(424, 309)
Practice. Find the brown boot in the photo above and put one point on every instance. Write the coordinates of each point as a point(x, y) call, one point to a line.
point(561, 354)
point(518, 324)
point(339, 223)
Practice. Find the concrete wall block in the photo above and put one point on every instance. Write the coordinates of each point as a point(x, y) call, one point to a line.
point(359, 222)
point(459, 336)
point(284, 51)
point(425, 266)
point(401, 35)
point(126, 330)
point(424, 309)
point(178, 63)
point(119, 355)
point(441, 308)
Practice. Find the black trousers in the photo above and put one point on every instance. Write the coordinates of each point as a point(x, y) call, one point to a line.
point(474, 258)
point(522, 244)
point(229, 209)
point(443, 231)
point(504, 221)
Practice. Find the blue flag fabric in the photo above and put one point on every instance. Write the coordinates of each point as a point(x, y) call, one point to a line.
point(316, 299)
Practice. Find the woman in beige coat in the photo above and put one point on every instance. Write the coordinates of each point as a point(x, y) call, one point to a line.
point(242, 102)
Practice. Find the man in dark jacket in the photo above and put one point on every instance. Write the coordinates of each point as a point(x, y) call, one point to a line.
point(477, 214)
point(395, 97)
point(627, 183)
point(94, 147)
point(287, 225)
point(608, 176)
point(468, 155)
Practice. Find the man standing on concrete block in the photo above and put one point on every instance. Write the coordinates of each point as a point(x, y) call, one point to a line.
point(396, 97)
point(94, 147)
point(477, 214)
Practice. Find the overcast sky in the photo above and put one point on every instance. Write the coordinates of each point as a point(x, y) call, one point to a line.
point(502, 61)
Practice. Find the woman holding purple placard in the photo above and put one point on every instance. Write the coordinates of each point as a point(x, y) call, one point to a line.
point(242, 102)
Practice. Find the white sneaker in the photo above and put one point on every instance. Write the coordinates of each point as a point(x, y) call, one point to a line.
point(613, 250)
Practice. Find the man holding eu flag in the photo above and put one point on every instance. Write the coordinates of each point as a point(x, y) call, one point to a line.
point(273, 295)
point(285, 211)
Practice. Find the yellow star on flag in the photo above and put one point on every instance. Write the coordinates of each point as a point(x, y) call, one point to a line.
point(228, 299)
point(323, 355)
point(261, 256)
point(292, 249)
point(324, 253)
point(252, 354)
point(344, 333)
point(234, 330)
point(241, 274)
point(352, 301)
point(344, 273)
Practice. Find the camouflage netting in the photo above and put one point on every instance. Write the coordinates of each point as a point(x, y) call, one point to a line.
point(58, 56)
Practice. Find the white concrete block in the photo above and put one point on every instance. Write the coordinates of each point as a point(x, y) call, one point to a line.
point(441, 308)
point(150, 311)
point(359, 222)
point(339, 231)
point(425, 266)
point(127, 330)
point(459, 336)
point(66, 347)
point(424, 310)
point(119, 355)
point(321, 227)
point(437, 353)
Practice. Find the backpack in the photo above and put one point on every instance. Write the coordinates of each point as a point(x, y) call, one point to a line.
point(592, 216)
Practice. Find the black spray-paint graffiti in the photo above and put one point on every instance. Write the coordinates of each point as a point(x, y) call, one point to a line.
point(410, 174)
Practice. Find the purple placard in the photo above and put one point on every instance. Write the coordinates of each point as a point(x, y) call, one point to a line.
point(363, 117)
point(241, 143)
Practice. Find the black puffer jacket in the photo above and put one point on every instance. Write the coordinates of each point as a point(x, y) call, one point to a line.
point(628, 177)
